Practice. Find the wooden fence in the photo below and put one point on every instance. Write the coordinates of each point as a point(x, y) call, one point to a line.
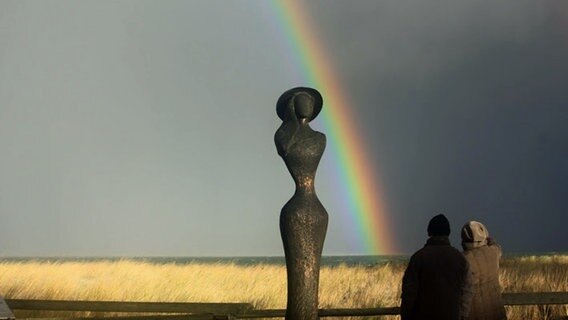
point(223, 311)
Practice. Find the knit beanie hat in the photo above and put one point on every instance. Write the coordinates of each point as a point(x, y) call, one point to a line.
point(439, 226)
point(474, 234)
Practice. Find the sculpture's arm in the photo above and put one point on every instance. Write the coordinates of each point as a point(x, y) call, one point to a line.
point(284, 138)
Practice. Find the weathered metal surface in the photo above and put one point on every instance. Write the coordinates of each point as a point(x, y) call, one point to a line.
point(303, 219)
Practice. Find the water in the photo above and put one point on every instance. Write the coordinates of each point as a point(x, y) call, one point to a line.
point(353, 260)
point(276, 260)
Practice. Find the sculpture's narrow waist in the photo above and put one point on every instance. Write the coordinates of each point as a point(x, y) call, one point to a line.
point(305, 184)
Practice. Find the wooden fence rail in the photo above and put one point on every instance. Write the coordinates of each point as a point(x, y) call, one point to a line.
point(119, 306)
point(509, 298)
point(219, 311)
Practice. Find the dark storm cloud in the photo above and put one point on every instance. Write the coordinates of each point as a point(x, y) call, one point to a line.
point(463, 106)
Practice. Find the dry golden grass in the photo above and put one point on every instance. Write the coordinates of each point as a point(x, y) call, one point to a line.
point(262, 285)
point(535, 274)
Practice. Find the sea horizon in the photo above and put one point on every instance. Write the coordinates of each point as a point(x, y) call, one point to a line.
point(327, 260)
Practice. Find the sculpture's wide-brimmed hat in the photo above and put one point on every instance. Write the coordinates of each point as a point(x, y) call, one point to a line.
point(282, 103)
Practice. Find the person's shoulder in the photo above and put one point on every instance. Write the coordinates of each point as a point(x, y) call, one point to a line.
point(458, 253)
point(493, 244)
point(417, 254)
point(449, 249)
point(468, 253)
point(494, 249)
point(320, 135)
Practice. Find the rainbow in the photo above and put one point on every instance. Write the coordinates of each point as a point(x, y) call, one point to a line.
point(364, 195)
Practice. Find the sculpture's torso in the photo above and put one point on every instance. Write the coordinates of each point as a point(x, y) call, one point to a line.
point(303, 224)
point(303, 158)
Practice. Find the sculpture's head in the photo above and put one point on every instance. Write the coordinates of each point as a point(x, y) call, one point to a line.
point(303, 105)
point(300, 102)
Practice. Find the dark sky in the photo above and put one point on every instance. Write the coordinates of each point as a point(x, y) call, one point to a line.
point(145, 128)
point(465, 106)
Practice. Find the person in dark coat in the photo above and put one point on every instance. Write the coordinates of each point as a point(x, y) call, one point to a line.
point(437, 282)
point(483, 255)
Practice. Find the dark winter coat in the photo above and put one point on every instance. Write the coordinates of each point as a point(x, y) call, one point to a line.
point(483, 255)
point(436, 284)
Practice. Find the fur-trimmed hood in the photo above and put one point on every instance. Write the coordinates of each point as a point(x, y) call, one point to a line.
point(474, 235)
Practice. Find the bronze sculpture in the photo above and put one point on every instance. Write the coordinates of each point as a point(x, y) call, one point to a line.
point(303, 219)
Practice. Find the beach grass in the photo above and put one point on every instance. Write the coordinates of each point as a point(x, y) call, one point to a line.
point(262, 285)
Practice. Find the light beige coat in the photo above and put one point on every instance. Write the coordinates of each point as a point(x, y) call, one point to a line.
point(483, 254)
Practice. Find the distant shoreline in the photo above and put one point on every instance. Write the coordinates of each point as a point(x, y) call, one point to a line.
point(349, 260)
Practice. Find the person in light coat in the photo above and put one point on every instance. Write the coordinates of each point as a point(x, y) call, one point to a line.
point(483, 255)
